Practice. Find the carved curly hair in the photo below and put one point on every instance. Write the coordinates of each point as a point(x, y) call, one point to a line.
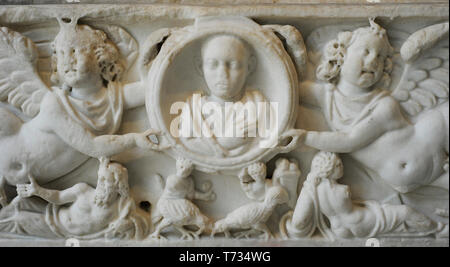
point(335, 51)
point(257, 169)
point(322, 165)
point(121, 179)
point(118, 172)
point(106, 53)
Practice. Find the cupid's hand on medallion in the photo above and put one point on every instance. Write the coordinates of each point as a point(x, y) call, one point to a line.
point(297, 137)
point(149, 140)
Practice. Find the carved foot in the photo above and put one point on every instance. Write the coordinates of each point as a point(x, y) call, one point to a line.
point(266, 232)
point(247, 234)
point(199, 231)
point(226, 233)
point(188, 235)
point(418, 222)
point(267, 235)
point(162, 225)
point(157, 236)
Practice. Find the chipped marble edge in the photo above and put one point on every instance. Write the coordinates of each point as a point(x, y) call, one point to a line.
point(16, 14)
point(222, 242)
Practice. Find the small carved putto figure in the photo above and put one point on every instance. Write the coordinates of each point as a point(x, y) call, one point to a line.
point(225, 64)
point(252, 216)
point(254, 182)
point(80, 211)
point(72, 121)
point(401, 134)
point(321, 195)
point(175, 207)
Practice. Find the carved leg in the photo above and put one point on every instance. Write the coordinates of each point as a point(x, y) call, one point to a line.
point(417, 221)
point(163, 224)
point(247, 234)
point(213, 233)
point(227, 233)
point(262, 227)
point(200, 230)
point(189, 235)
point(3, 199)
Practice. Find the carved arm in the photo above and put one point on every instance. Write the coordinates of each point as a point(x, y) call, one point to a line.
point(87, 143)
point(52, 196)
point(384, 118)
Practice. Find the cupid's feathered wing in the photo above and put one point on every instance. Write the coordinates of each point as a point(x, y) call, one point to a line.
point(20, 83)
point(424, 59)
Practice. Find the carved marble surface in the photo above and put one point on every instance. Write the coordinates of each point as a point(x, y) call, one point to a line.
point(116, 125)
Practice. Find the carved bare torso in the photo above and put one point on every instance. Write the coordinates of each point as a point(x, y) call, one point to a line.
point(83, 217)
point(379, 136)
point(345, 216)
point(415, 156)
point(36, 148)
point(58, 140)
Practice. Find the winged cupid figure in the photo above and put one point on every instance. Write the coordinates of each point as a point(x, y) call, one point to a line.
point(76, 119)
point(400, 133)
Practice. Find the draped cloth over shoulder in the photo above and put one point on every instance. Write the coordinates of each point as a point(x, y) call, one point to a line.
point(201, 132)
point(101, 117)
point(343, 112)
point(317, 220)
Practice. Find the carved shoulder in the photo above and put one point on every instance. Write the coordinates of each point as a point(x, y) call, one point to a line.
point(388, 103)
point(388, 110)
point(82, 187)
point(311, 93)
point(50, 104)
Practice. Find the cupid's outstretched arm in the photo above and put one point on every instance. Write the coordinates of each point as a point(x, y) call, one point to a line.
point(85, 141)
point(385, 117)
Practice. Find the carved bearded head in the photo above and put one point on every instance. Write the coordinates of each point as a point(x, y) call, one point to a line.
point(362, 58)
point(112, 182)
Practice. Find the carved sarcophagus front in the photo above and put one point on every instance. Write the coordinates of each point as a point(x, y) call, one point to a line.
point(306, 123)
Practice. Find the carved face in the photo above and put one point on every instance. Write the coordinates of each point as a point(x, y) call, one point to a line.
point(364, 62)
point(184, 168)
point(225, 66)
point(106, 187)
point(77, 67)
point(338, 170)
